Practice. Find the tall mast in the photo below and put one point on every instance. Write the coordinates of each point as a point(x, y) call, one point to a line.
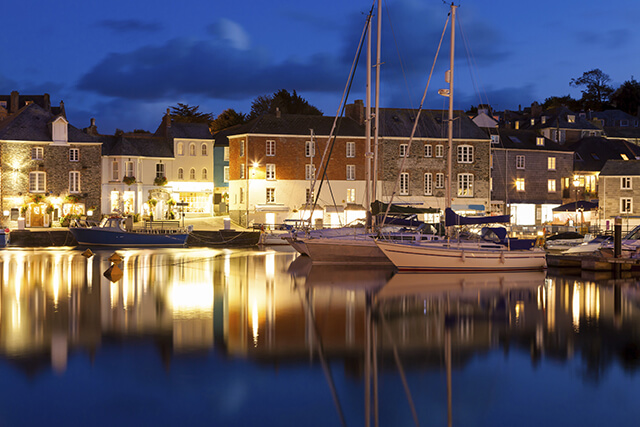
point(449, 78)
point(377, 106)
point(367, 130)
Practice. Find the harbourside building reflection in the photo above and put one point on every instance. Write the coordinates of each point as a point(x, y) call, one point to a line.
point(273, 307)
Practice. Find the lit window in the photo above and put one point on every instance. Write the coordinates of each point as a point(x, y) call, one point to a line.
point(428, 184)
point(74, 182)
point(74, 154)
point(241, 148)
point(519, 162)
point(309, 195)
point(351, 149)
point(540, 141)
point(271, 172)
point(404, 184)
point(465, 185)
point(551, 163)
point(351, 172)
point(226, 174)
point(271, 148)
point(519, 184)
point(624, 156)
point(551, 185)
point(351, 195)
point(37, 182)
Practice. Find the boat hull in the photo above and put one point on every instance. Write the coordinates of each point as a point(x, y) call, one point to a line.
point(444, 257)
point(345, 251)
point(100, 237)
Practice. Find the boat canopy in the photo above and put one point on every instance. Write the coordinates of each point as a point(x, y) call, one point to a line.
point(576, 206)
point(452, 218)
point(379, 207)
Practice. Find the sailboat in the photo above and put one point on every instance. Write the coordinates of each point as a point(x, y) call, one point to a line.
point(493, 252)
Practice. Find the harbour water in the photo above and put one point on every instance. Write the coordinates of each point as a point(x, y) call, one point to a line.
point(261, 337)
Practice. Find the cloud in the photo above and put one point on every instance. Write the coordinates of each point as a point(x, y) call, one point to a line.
point(231, 32)
point(612, 39)
point(130, 26)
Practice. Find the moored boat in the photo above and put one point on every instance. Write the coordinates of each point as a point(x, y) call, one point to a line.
point(112, 232)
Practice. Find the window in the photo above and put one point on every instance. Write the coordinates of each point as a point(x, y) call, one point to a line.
point(439, 150)
point(465, 154)
point(271, 195)
point(351, 149)
point(439, 180)
point(128, 167)
point(428, 184)
point(271, 148)
point(115, 174)
point(626, 205)
point(625, 183)
point(192, 149)
point(404, 184)
point(180, 149)
point(519, 162)
point(403, 150)
point(540, 141)
point(74, 182)
point(519, 184)
point(551, 163)
point(226, 174)
point(204, 150)
point(551, 185)
point(241, 195)
point(241, 148)
point(533, 122)
point(192, 174)
point(351, 172)
point(180, 173)
point(491, 161)
point(465, 185)
point(624, 123)
point(571, 118)
point(226, 154)
point(309, 148)
point(351, 195)
point(428, 150)
point(271, 172)
point(37, 182)
point(495, 139)
point(74, 154)
point(37, 153)
point(205, 174)
point(309, 195)
point(624, 156)
point(159, 170)
point(309, 172)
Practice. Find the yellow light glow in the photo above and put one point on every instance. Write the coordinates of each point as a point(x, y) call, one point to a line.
point(575, 306)
point(191, 300)
point(255, 321)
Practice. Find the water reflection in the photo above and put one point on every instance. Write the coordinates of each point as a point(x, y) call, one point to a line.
point(385, 330)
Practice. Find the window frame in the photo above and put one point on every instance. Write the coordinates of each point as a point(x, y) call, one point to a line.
point(309, 172)
point(351, 173)
point(74, 181)
point(551, 163)
point(428, 184)
point(74, 154)
point(404, 150)
point(439, 151)
point(624, 203)
point(439, 183)
point(404, 184)
point(351, 149)
point(270, 172)
point(626, 183)
point(309, 148)
point(36, 180)
point(465, 153)
point(270, 195)
point(465, 185)
point(428, 150)
point(270, 148)
point(520, 162)
point(520, 185)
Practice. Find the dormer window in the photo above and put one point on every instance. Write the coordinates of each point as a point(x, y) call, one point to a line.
point(624, 123)
point(543, 119)
point(59, 130)
point(571, 118)
point(540, 141)
point(495, 139)
point(533, 122)
point(624, 156)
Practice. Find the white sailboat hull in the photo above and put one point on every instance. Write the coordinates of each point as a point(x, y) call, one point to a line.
point(348, 250)
point(464, 257)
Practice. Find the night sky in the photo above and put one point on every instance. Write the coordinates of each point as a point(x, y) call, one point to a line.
point(125, 62)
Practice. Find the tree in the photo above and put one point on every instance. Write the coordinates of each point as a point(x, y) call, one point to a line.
point(284, 101)
point(561, 101)
point(627, 97)
point(187, 114)
point(596, 92)
point(227, 118)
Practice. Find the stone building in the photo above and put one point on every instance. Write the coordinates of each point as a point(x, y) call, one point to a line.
point(620, 193)
point(50, 169)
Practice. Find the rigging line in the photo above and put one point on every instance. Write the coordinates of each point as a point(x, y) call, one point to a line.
point(472, 65)
point(340, 110)
point(415, 123)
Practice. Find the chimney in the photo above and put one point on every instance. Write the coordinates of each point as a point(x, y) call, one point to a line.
point(63, 113)
point(167, 119)
point(278, 113)
point(13, 104)
point(92, 129)
point(47, 102)
point(355, 111)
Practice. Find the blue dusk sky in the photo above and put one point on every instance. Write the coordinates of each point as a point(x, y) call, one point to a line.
point(125, 62)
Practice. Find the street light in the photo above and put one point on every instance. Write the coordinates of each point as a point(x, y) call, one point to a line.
point(576, 182)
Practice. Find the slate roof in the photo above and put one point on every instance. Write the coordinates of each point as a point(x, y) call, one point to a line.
point(612, 118)
point(32, 123)
point(183, 130)
point(557, 118)
point(526, 140)
point(621, 168)
point(593, 152)
point(398, 122)
point(133, 145)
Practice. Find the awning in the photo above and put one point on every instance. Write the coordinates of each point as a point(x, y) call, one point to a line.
point(272, 208)
point(580, 205)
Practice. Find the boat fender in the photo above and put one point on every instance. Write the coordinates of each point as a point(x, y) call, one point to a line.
point(189, 228)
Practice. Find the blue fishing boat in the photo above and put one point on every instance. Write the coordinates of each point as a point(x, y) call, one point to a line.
point(113, 232)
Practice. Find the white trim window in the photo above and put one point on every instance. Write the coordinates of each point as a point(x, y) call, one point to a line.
point(192, 149)
point(270, 174)
point(74, 182)
point(540, 141)
point(181, 173)
point(271, 195)
point(520, 162)
point(428, 150)
point(226, 154)
point(205, 174)
point(351, 149)
point(192, 174)
point(309, 172)
point(160, 170)
point(465, 154)
point(242, 171)
point(495, 139)
point(404, 184)
point(308, 195)
point(204, 150)
point(74, 154)
point(439, 150)
point(625, 183)
point(37, 153)
point(404, 150)
point(180, 149)
point(519, 184)
point(115, 172)
point(551, 185)
point(226, 174)
point(351, 172)
point(37, 182)
point(428, 184)
point(351, 195)
point(439, 180)
point(310, 148)
point(270, 148)
point(242, 148)
point(551, 163)
point(626, 205)
point(128, 169)
point(465, 185)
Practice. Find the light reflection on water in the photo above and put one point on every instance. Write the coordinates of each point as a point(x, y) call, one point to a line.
point(241, 337)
